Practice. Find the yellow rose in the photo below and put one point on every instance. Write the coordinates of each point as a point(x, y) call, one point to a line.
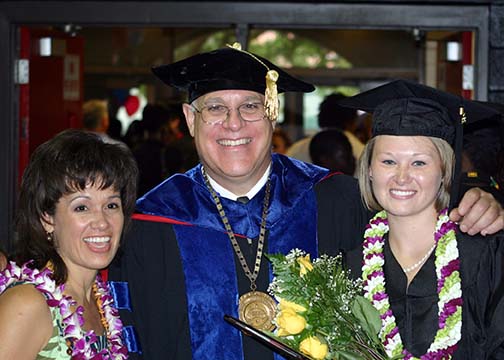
point(313, 347)
point(286, 304)
point(290, 322)
point(305, 264)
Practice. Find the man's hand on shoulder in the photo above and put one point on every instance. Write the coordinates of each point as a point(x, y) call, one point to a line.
point(478, 212)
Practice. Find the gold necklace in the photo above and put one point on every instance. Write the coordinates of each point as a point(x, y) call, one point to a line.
point(256, 308)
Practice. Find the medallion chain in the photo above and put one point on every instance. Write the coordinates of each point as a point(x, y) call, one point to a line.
point(251, 275)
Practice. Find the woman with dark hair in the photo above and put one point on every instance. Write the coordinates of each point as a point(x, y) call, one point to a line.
point(439, 291)
point(76, 196)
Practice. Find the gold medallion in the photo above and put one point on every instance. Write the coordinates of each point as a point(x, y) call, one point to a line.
point(258, 310)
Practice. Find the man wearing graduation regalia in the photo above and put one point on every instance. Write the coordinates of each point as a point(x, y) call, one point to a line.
point(196, 249)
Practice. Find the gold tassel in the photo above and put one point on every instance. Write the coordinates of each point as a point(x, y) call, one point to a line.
point(271, 95)
point(271, 103)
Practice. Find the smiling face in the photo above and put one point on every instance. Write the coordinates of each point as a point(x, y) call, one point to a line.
point(406, 174)
point(87, 227)
point(235, 153)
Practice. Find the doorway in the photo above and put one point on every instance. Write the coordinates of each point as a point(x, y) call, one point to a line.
point(324, 22)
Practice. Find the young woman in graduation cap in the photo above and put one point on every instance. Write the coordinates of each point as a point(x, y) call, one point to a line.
point(439, 291)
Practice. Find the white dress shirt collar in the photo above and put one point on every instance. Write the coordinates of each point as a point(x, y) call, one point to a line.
point(223, 192)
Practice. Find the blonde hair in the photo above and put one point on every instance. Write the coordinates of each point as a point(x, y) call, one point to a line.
point(446, 155)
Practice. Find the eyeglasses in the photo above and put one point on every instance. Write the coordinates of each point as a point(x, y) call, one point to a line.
point(216, 114)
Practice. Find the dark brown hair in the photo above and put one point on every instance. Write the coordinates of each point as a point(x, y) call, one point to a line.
point(65, 164)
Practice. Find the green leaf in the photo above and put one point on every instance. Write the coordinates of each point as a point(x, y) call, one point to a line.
point(275, 258)
point(367, 315)
point(346, 355)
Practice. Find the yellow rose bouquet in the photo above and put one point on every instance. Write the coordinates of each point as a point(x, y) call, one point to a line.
point(321, 312)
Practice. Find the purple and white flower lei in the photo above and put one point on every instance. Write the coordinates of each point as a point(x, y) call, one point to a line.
point(448, 287)
point(73, 320)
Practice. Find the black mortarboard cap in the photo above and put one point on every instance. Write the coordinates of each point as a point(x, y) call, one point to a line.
point(224, 69)
point(406, 108)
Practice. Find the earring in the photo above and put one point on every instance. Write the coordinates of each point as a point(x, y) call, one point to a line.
point(50, 236)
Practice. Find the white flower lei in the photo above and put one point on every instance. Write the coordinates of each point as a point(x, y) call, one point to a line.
point(79, 342)
point(448, 287)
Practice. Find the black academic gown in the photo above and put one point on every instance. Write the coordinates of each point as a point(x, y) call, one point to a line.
point(162, 273)
point(415, 307)
point(341, 215)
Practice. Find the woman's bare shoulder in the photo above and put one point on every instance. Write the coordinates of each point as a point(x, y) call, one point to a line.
point(24, 296)
point(25, 319)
